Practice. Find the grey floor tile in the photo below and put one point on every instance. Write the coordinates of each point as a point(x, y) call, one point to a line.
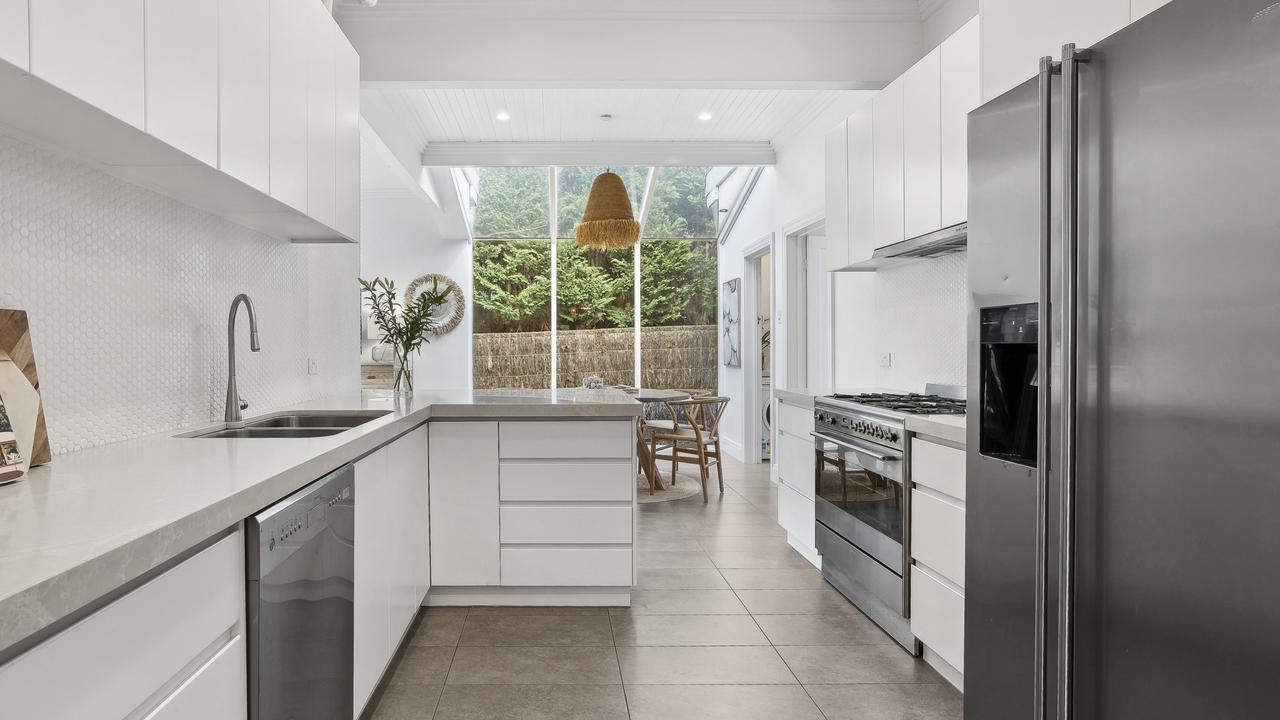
point(406, 702)
point(438, 626)
point(730, 529)
point(686, 630)
point(888, 702)
point(783, 557)
point(532, 702)
point(773, 579)
point(732, 543)
point(421, 666)
point(529, 610)
point(682, 602)
point(672, 559)
point(667, 541)
point(814, 601)
point(537, 630)
point(680, 579)
point(824, 664)
point(720, 702)
point(534, 666)
point(703, 666)
point(842, 629)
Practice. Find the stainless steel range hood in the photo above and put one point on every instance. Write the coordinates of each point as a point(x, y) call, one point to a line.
point(940, 242)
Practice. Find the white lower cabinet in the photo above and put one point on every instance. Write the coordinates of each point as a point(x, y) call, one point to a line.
point(796, 515)
point(171, 648)
point(566, 566)
point(937, 616)
point(464, 503)
point(794, 456)
point(937, 549)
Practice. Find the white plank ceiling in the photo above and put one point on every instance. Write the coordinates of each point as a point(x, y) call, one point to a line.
point(471, 115)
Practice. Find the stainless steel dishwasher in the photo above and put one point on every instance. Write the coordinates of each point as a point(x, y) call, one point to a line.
point(300, 564)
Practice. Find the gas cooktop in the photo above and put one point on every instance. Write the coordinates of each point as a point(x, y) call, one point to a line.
point(910, 404)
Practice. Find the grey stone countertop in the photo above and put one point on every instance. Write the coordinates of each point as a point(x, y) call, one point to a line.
point(93, 520)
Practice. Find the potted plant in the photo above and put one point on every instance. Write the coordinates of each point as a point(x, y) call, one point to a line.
point(404, 327)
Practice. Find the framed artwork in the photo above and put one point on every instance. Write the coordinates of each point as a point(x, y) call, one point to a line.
point(20, 394)
point(446, 316)
point(11, 468)
point(730, 326)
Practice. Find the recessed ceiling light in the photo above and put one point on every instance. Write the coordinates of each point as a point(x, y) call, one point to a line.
point(704, 116)
point(503, 116)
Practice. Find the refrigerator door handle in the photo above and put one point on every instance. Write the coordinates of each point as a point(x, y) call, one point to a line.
point(1071, 59)
point(1048, 68)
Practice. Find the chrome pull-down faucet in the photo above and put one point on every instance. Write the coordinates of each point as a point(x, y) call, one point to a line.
point(235, 403)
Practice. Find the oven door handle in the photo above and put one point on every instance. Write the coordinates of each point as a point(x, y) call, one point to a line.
point(858, 448)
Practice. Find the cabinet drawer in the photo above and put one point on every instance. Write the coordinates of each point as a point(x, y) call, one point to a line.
point(937, 534)
point(794, 419)
point(118, 657)
point(215, 692)
point(937, 616)
point(795, 514)
point(795, 464)
point(541, 481)
point(581, 567)
point(566, 439)
point(566, 524)
point(938, 467)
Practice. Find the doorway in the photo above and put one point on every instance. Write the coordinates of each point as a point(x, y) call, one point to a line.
point(757, 349)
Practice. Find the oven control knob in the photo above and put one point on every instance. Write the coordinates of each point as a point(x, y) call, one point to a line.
point(893, 437)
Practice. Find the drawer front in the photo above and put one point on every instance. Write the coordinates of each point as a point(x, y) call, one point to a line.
point(937, 616)
point(795, 463)
point(376, 376)
point(937, 534)
point(794, 419)
point(562, 481)
point(566, 524)
point(567, 439)
point(569, 567)
point(795, 514)
point(117, 658)
point(216, 692)
point(938, 467)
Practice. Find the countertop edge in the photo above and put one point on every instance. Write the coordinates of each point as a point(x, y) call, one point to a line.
point(950, 428)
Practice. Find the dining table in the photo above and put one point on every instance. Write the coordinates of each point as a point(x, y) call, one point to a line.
point(650, 397)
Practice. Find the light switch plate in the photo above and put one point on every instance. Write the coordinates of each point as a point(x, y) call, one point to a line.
point(886, 359)
point(313, 366)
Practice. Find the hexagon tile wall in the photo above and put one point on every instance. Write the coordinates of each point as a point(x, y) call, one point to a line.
point(128, 293)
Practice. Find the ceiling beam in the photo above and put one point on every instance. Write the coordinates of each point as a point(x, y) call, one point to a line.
point(512, 154)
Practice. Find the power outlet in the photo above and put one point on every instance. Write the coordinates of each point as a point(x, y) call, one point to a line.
point(886, 359)
point(313, 366)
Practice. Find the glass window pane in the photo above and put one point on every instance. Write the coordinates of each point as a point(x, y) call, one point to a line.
point(512, 202)
point(574, 184)
point(511, 320)
point(678, 315)
point(595, 334)
point(679, 205)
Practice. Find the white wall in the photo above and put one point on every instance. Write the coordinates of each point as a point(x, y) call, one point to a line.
point(945, 18)
point(128, 291)
point(400, 240)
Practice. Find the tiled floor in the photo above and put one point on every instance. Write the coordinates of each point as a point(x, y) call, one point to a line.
point(727, 623)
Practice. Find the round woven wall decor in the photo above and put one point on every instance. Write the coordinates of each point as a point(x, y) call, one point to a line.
point(447, 316)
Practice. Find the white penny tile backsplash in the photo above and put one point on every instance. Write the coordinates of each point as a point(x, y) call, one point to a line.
point(128, 293)
point(922, 310)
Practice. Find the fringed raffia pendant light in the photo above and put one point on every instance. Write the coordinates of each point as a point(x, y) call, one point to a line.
point(608, 222)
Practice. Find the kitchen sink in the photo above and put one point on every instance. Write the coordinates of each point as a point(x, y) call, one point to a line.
point(294, 425)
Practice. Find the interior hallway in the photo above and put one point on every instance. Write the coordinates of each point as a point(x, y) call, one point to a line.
point(727, 623)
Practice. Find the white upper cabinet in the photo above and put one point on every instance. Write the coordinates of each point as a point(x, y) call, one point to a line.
point(836, 254)
point(182, 75)
point(15, 44)
point(322, 115)
point(861, 185)
point(244, 86)
point(290, 29)
point(93, 50)
point(1141, 8)
point(1017, 33)
point(961, 93)
point(347, 159)
point(887, 164)
point(922, 153)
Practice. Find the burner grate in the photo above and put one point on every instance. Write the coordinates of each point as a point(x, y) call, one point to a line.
point(909, 403)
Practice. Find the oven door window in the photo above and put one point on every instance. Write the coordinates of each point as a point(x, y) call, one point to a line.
point(856, 485)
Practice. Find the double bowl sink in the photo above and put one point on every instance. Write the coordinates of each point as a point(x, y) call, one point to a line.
point(294, 425)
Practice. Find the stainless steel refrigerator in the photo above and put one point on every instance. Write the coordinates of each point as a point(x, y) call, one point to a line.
point(1123, 529)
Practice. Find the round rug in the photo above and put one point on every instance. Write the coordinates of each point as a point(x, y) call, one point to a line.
point(686, 486)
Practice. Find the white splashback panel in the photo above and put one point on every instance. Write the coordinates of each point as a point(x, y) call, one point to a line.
point(922, 308)
point(128, 291)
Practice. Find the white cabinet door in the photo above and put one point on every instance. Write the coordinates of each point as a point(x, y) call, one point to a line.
point(1141, 8)
point(215, 692)
point(419, 511)
point(887, 164)
point(937, 616)
point(836, 255)
point(1017, 33)
point(407, 526)
point(464, 503)
point(937, 534)
point(961, 93)
point(796, 515)
point(921, 145)
point(244, 87)
point(15, 43)
point(322, 115)
point(93, 50)
point(372, 619)
point(795, 463)
point(182, 75)
point(290, 30)
point(861, 185)
point(347, 98)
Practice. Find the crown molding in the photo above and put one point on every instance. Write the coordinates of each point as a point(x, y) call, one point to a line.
point(512, 154)
point(658, 10)
point(929, 7)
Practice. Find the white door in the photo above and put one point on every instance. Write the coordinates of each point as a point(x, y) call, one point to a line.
point(921, 145)
point(182, 75)
point(244, 83)
point(347, 159)
point(862, 206)
point(93, 50)
point(290, 30)
point(887, 164)
point(837, 189)
point(464, 503)
point(321, 116)
point(961, 93)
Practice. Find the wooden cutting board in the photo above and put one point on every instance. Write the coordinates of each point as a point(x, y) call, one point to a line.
point(15, 347)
